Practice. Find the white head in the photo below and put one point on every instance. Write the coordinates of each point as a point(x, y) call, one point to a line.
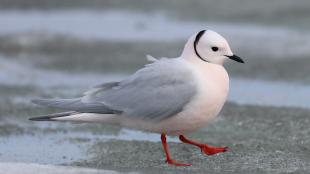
point(209, 46)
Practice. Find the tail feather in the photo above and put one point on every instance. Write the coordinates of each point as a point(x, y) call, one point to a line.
point(76, 104)
point(51, 117)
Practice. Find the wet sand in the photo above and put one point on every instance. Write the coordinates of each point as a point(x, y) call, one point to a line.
point(260, 140)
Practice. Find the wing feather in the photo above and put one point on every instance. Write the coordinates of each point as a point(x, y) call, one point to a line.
point(156, 92)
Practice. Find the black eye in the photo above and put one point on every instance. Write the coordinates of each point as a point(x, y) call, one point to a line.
point(214, 49)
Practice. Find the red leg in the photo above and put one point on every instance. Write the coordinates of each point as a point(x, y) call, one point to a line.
point(169, 160)
point(208, 150)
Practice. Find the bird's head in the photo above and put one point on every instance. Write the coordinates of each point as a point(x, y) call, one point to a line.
point(209, 46)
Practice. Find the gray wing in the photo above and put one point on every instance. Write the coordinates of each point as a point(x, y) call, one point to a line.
point(155, 92)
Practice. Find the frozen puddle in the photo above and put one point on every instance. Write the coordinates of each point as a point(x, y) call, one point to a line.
point(59, 147)
point(33, 149)
point(268, 93)
point(30, 168)
point(24, 73)
point(120, 25)
point(109, 25)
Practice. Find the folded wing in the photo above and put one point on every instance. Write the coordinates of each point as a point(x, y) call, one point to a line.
point(155, 92)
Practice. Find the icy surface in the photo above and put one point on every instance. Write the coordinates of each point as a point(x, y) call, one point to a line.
point(28, 168)
point(129, 26)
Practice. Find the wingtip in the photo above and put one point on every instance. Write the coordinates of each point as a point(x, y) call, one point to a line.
point(51, 117)
point(35, 101)
point(43, 118)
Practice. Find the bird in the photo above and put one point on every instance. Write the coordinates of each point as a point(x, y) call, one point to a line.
point(168, 96)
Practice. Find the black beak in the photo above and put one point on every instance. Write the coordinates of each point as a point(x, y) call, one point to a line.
point(235, 58)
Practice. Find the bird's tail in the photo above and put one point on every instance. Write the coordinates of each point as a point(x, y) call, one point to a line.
point(78, 111)
point(53, 117)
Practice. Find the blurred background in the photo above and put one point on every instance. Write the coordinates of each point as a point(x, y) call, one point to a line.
point(63, 47)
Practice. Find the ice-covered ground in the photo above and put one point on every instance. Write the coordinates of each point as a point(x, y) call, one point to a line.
point(28, 168)
point(134, 27)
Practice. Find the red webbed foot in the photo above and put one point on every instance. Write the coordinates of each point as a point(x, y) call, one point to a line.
point(208, 150)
